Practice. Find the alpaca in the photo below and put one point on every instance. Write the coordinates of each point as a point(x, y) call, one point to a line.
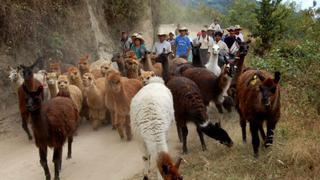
point(84, 65)
point(122, 91)
point(212, 65)
point(95, 91)
point(132, 67)
point(258, 100)
point(146, 65)
point(117, 58)
point(74, 76)
point(196, 60)
point(52, 124)
point(109, 98)
point(15, 78)
point(151, 115)
point(52, 80)
point(145, 76)
point(64, 86)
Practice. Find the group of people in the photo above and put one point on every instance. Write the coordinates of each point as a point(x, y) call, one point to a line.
point(180, 42)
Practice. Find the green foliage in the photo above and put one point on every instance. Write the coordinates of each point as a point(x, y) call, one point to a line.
point(271, 17)
point(242, 12)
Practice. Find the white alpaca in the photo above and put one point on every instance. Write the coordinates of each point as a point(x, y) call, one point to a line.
point(212, 65)
point(151, 115)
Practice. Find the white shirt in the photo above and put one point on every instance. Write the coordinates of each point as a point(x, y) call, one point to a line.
point(206, 43)
point(223, 46)
point(216, 27)
point(240, 36)
point(158, 47)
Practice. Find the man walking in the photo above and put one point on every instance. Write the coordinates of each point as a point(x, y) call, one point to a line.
point(182, 43)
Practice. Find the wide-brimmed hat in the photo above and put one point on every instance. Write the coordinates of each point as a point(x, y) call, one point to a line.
point(140, 37)
point(161, 33)
point(231, 28)
point(183, 28)
point(204, 29)
point(237, 27)
point(134, 35)
point(210, 29)
point(171, 33)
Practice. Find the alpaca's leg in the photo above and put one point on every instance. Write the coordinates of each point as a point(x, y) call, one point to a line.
point(43, 162)
point(262, 133)
point(70, 140)
point(128, 128)
point(57, 159)
point(95, 119)
point(184, 130)
point(119, 121)
point(146, 160)
point(243, 125)
point(203, 144)
point(179, 131)
point(254, 127)
point(271, 125)
point(25, 117)
point(113, 119)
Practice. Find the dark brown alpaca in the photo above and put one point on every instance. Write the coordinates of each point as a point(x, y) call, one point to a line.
point(30, 84)
point(189, 107)
point(258, 100)
point(118, 58)
point(52, 124)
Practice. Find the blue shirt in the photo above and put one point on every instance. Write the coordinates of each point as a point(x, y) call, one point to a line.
point(182, 45)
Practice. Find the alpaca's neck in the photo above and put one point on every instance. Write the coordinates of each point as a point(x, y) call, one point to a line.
point(213, 59)
point(224, 82)
point(133, 73)
point(93, 93)
point(39, 125)
point(147, 64)
point(84, 70)
point(120, 64)
point(239, 64)
point(77, 82)
point(165, 71)
point(53, 88)
point(30, 84)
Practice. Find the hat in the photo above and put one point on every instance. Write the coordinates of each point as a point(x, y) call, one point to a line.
point(237, 27)
point(160, 33)
point(140, 37)
point(231, 28)
point(204, 29)
point(183, 28)
point(171, 33)
point(134, 34)
point(210, 29)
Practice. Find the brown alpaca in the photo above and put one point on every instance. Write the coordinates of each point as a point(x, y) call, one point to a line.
point(74, 76)
point(122, 91)
point(52, 124)
point(132, 67)
point(146, 65)
point(258, 100)
point(118, 58)
point(95, 91)
point(167, 169)
point(55, 67)
point(108, 98)
point(84, 65)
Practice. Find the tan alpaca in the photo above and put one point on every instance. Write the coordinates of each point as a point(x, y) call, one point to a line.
point(146, 65)
point(101, 72)
point(52, 81)
point(74, 76)
point(121, 90)
point(132, 67)
point(75, 93)
point(95, 91)
point(145, 76)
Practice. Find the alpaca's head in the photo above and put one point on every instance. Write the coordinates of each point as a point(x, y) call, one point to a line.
point(73, 73)
point(63, 82)
point(116, 57)
point(88, 79)
point(105, 67)
point(52, 78)
point(267, 88)
point(131, 64)
point(83, 63)
point(27, 71)
point(145, 76)
point(243, 47)
point(14, 74)
point(168, 169)
point(34, 99)
point(215, 131)
point(115, 82)
point(229, 69)
point(131, 54)
point(215, 49)
point(55, 67)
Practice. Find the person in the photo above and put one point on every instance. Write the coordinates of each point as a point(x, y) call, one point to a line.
point(215, 25)
point(224, 50)
point(206, 43)
point(133, 37)
point(231, 38)
point(171, 38)
point(238, 32)
point(138, 46)
point(182, 43)
point(162, 46)
point(125, 42)
point(210, 32)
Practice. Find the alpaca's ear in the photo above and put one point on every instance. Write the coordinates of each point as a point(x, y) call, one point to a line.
point(166, 169)
point(276, 77)
point(177, 164)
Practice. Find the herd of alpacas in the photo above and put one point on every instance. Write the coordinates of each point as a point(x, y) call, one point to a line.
point(143, 98)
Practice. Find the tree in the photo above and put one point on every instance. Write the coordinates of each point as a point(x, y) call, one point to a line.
point(270, 26)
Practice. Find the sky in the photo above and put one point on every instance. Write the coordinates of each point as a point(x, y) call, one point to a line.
point(305, 4)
